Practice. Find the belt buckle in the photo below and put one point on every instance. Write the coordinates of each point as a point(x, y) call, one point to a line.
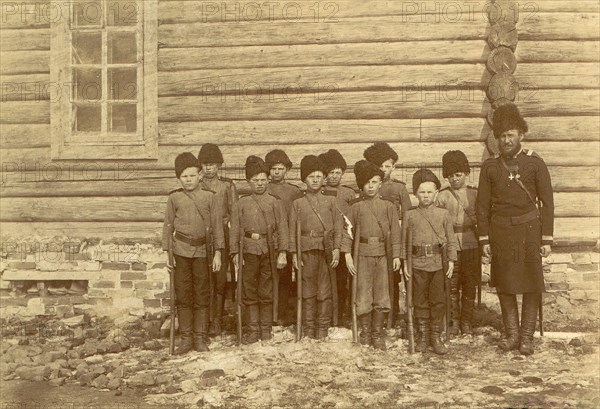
point(428, 250)
point(373, 240)
point(256, 236)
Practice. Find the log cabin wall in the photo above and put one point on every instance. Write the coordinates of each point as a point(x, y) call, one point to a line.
point(306, 76)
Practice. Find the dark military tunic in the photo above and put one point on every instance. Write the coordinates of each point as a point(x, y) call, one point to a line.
point(395, 191)
point(286, 192)
point(509, 220)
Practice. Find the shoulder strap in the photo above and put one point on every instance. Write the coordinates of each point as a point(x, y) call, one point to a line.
point(460, 204)
point(521, 185)
point(376, 218)
point(316, 212)
point(440, 241)
point(195, 205)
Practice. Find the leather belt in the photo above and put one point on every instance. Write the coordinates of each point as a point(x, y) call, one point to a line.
point(459, 228)
point(313, 234)
point(372, 240)
point(516, 220)
point(426, 250)
point(255, 236)
point(192, 242)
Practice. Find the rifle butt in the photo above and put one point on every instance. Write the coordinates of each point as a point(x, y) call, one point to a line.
point(171, 298)
point(355, 256)
point(298, 281)
point(238, 295)
point(409, 294)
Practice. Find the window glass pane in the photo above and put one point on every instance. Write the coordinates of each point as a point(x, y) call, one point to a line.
point(122, 48)
point(87, 48)
point(87, 84)
point(87, 118)
point(121, 13)
point(87, 13)
point(122, 83)
point(122, 118)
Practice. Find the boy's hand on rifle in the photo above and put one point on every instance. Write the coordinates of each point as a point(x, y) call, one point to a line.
point(236, 261)
point(295, 261)
point(396, 264)
point(405, 271)
point(350, 264)
point(545, 250)
point(335, 258)
point(450, 269)
point(281, 260)
point(170, 268)
point(216, 261)
point(487, 251)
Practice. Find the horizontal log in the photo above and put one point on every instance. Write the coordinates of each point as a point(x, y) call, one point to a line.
point(386, 53)
point(24, 136)
point(27, 39)
point(189, 11)
point(52, 182)
point(25, 112)
point(566, 230)
point(541, 26)
point(331, 104)
point(558, 75)
point(29, 62)
point(152, 208)
point(411, 154)
point(557, 51)
point(28, 87)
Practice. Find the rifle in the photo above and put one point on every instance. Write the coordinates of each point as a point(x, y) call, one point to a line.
point(209, 260)
point(328, 249)
point(171, 259)
point(390, 269)
point(355, 257)
point(238, 294)
point(446, 290)
point(274, 272)
point(409, 293)
point(298, 281)
point(541, 314)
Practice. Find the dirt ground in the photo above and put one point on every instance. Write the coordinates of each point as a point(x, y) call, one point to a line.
point(563, 373)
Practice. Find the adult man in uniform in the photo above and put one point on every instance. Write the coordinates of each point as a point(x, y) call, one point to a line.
point(211, 160)
point(513, 230)
point(279, 164)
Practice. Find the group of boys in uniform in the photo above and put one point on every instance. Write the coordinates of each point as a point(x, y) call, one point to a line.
point(446, 229)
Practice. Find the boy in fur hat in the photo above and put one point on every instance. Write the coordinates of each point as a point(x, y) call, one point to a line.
point(190, 210)
point(211, 160)
point(510, 222)
point(250, 217)
point(459, 200)
point(279, 164)
point(432, 235)
point(382, 155)
point(334, 169)
point(377, 218)
point(321, 235)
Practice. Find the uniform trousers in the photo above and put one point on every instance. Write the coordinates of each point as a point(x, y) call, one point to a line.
point(257, 280)
point(428, 294)
point(191, 282)
point(372, 288)
point(467, 273)
point(316, 281)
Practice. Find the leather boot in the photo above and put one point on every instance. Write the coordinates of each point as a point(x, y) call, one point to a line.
point(185, 319)
point(531, 304)
point(201, 319)
point(466, 316)
point(510, 316)
point(324, 317)
point(266, 321)
point(364, 323)
point(309, 314)
point(423, 335)
point(251, 334)
point(435, 340)
point(377, 334)
point(216, 319)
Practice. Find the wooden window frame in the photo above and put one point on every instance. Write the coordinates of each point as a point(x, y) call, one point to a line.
point(62, 145)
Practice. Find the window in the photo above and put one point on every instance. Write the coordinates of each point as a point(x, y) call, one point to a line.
point(103, 58)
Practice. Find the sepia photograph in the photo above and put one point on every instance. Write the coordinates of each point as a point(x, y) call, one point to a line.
point(299, 204)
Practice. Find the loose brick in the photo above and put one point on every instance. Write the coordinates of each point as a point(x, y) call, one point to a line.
point(22, 265)
point(149, 285)
point(149, 294)
point(96, 293)
point(591, 276)
point(558, 268)
point(138, 266)
point(90, 265)
point(585, 285)
point(587, 268)
point(49, 300)
point(557, 286)
point(595, 258)
point(560, 258)
point(577, 295)
point(573, 276)
point(126, 284)
point(109, 265)
point(593, 295)
point(554, 277)
point(77, 299)
point(157, 266)
point(166, 302)
point(164, 294)
point(102, 284)
point(133, 276)
point(152, 303)
point(102, 302)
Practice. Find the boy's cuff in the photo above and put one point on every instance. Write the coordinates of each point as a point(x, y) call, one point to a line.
point(483, 240)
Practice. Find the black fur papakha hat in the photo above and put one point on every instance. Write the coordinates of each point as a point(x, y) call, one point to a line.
point(308, 165)
point(183, 161)
point(210, 153)
point(424, 175)
point(453, 162)
point(278, 156)
point(379, 152)
point(254, 166)
point(507, 117)
point(332, 159)
point(364, 170)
